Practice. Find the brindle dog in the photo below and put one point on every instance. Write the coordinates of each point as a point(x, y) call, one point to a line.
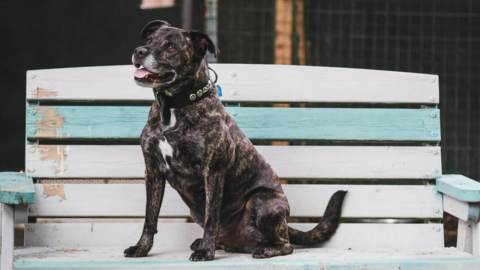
point(232, 192)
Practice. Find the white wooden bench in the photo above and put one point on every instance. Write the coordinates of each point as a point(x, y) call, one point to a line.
point(373, 133)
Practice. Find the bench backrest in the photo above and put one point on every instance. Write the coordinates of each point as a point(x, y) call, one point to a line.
point(375, 133)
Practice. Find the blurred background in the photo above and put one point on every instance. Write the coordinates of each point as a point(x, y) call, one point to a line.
point(426, 36)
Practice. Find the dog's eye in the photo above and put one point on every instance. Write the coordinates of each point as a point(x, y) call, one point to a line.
point(170, 48)
point(148, 41)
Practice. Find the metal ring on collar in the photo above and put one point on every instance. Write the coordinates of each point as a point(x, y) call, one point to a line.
point(216, 75)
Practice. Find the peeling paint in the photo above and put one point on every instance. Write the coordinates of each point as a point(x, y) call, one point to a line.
point(48, 123)
point(56, 154)
point(51, 190)
point(44, 93)
point(72, 250)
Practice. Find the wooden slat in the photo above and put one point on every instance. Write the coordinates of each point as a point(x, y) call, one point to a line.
point(283, 32)
point(126, 122)
point(459, 187)
point(128, 200)
point(338, 124)
point(468, 212)
point(16, 188)
point(302, 258)
point(310, 162)
point(271, 83)
point(181, 235)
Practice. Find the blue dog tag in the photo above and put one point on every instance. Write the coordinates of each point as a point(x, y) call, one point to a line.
point(219, 90)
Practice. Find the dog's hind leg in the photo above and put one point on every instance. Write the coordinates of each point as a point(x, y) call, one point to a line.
point(269, 212)
point(271, 251)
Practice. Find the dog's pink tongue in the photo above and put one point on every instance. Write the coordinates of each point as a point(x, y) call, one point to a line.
point(140, 73)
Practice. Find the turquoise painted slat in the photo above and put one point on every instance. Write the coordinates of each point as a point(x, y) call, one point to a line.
point(257, 123)
point(242, 262)
point(459, 187)
point(115, 122)
point(338, 124)
point(16, 188)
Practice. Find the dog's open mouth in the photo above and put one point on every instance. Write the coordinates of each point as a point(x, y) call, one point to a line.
point(145, 76)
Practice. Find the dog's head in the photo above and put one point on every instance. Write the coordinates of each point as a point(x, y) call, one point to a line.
point(171, 57)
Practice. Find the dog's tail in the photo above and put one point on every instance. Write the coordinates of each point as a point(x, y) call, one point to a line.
point(325, 228)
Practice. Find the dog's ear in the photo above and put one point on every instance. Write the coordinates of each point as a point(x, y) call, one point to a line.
point(152, 27)
point(202, 43)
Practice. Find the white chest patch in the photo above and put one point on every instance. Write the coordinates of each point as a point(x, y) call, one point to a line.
point(166, 149)
point(173, 120)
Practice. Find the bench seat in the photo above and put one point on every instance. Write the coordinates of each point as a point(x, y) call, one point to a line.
point(302, 258)
point(374, 133)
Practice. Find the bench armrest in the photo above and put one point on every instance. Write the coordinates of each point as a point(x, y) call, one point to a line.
point(461, 198)
point(459, 187)
point(16, 192)
point(16, 188)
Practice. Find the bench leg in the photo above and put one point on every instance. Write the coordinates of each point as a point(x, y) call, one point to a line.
point(476, 239)
point(7, 236)
point(464, 238)
point(468, 239)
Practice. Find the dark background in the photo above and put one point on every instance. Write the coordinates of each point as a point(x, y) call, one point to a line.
point(54, 34)
point(427, 36)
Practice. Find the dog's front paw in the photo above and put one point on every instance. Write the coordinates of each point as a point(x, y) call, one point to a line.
point(202, 255)
point(137, 251)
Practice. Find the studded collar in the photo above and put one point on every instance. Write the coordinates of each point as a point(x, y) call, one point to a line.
point(182, 100)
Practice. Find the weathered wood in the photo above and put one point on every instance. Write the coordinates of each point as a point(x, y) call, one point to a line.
point(127, 122)
point(459, 187)
point(299, 38)
point(464, 236)
point(283, 32)
point(305, 258)
point(128, 200)
point(181, 235)
point(354, 246)
point(465, 211)
point(16, 188)
point(242, 82)
point(21, 213)
point(306, 162)
point(476, 239)
point(8, 211)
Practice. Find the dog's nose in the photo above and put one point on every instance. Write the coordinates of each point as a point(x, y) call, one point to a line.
point(140, 52)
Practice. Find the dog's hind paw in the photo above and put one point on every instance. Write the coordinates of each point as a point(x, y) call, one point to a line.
point(194, 246)
point(271, 251)
point(202, 255)
point(136, 251)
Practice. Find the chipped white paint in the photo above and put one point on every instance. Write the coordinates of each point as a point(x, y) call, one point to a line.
point(61, 166)
point(181, 235)
point(166, 149)
point(128, 201)
point(7, 222)
point(314, 84)
point(326, 162)
point(163, 257)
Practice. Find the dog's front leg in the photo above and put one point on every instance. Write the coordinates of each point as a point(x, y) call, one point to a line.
point(213, 195)
point(155, 185)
